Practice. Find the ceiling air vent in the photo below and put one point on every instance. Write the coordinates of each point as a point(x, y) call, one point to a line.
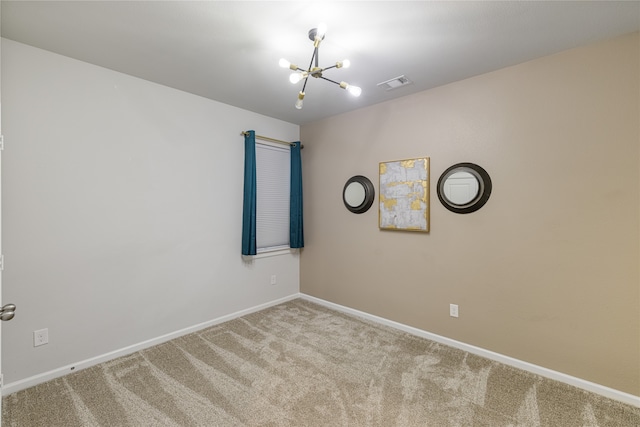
point(395, 82)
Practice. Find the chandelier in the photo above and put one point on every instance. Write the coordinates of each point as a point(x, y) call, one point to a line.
point(316, 35)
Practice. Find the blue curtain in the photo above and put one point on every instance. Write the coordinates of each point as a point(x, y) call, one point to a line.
point(296, 229)
point(249, 206)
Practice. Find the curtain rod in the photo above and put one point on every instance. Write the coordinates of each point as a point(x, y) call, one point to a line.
point(266, 138)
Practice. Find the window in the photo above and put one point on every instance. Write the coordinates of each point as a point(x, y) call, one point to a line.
point(274, 220)
point(273, 175)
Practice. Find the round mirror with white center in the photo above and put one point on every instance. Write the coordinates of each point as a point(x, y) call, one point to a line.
point(354, 194)
point(464, 188)
point(461, 188)
point(358, 194)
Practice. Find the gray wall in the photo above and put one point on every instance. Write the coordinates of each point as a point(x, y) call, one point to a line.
point(122, 205)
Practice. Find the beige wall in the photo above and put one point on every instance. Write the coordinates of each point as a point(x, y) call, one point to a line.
point(547, 272)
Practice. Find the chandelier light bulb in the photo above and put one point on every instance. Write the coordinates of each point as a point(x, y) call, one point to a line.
point(346, 63)
point(354, 90)
point(299, 101)
point(284, 63)
point(295, 77)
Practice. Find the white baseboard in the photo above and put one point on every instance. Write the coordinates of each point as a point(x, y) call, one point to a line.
point(15, 386)
point(510, 361)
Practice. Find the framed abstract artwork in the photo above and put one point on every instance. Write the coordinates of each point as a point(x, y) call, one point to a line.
point(404, 195)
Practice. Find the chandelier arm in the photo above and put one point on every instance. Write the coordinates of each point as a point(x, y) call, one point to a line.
point(315, 51)
point(305, 84)
point(328, 68)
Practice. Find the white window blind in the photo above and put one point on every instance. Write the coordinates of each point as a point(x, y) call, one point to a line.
point(273, 170)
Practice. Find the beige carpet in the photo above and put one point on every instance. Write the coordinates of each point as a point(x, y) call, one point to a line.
point(300, 364)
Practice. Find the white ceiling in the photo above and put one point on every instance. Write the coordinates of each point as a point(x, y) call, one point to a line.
point(229, 50)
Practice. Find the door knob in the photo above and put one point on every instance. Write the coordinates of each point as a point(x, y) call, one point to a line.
point(7, 312)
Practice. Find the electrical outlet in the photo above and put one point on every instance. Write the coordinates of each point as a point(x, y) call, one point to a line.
point(453, 310)
point(40, 337)
point(273, 279)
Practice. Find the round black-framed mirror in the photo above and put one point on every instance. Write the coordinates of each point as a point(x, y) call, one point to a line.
point(358, 194)
point(464, 188)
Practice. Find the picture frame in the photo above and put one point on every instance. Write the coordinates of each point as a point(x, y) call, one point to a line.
point(404, 203)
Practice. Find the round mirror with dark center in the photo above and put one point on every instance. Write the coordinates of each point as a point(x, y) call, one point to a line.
point(358, 194)
point(464, 188)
